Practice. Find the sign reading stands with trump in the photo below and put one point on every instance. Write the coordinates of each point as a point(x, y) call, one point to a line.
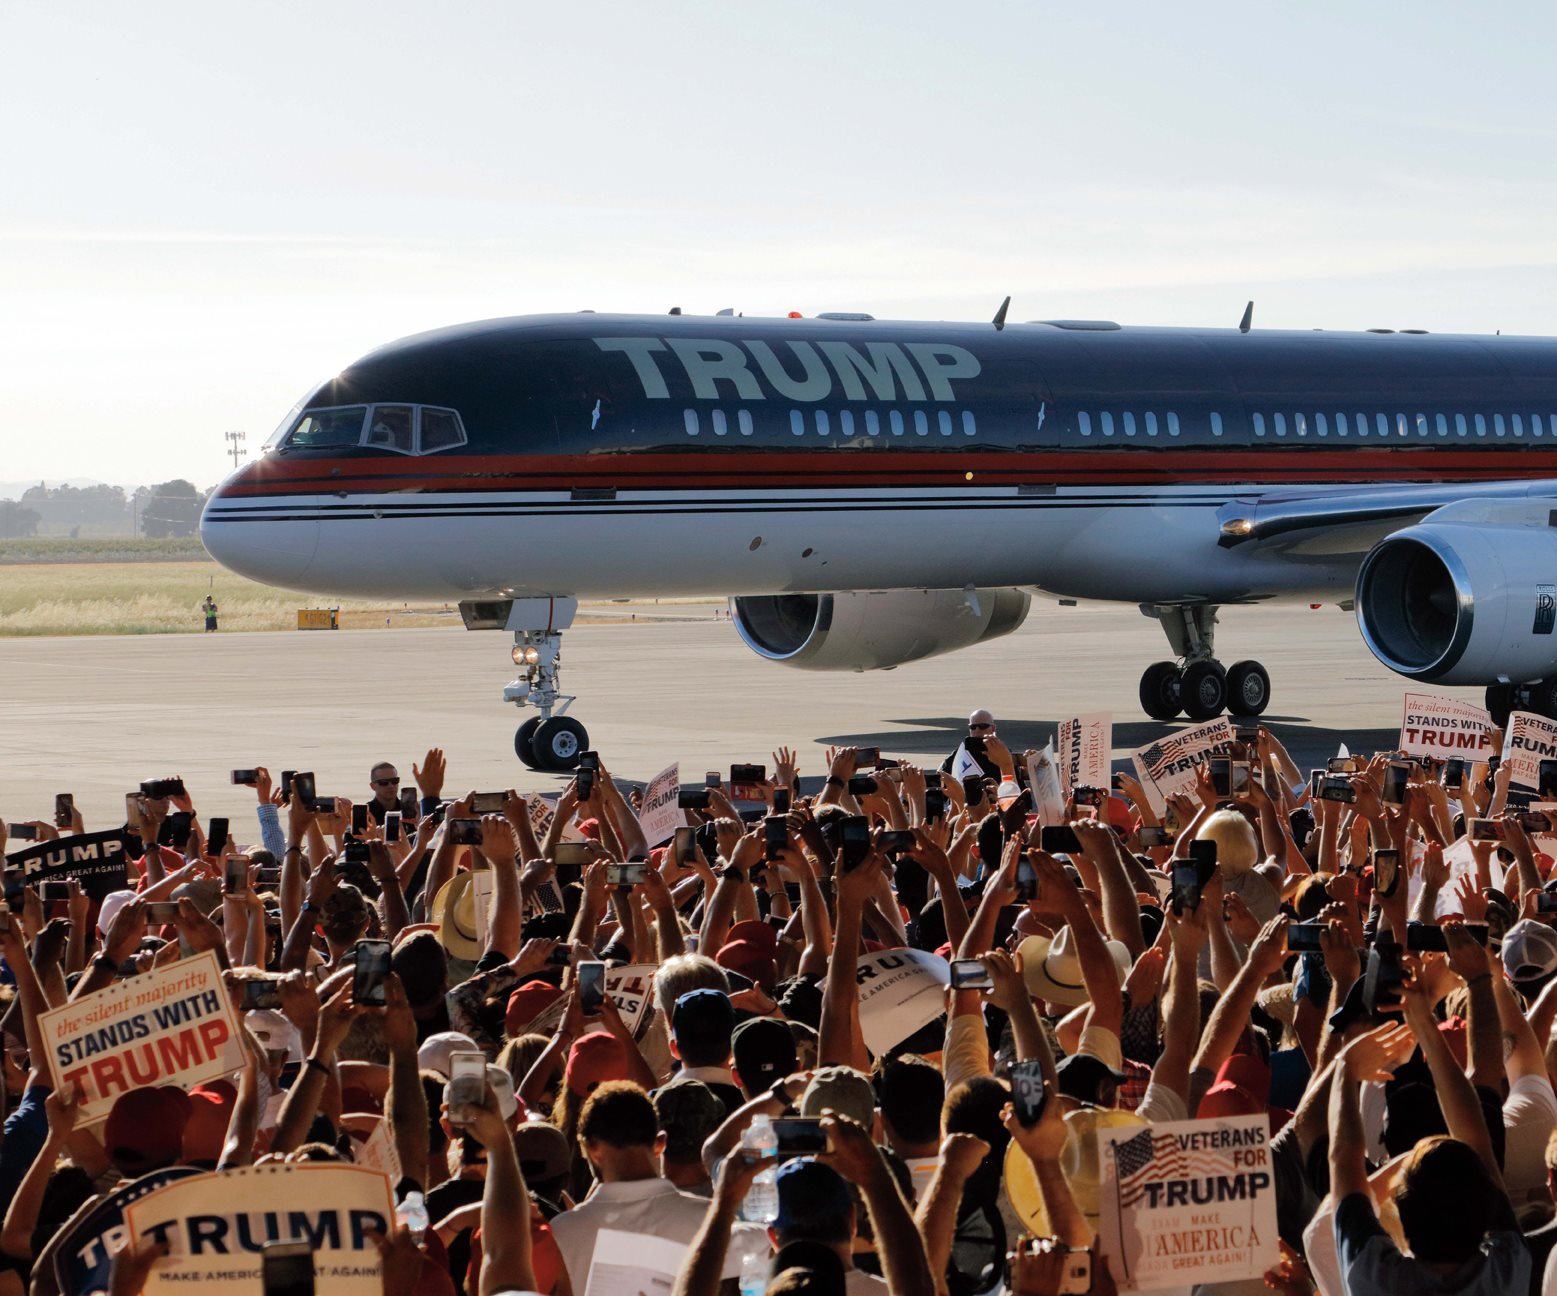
point(217, 1226)
point(1444, 726)
point(173, 1026)
point(1187, 1202)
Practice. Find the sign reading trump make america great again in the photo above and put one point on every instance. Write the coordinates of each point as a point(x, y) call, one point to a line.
point(1187, 1202)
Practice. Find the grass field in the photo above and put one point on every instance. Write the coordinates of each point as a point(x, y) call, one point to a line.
point(160, 597)
point(110, 549)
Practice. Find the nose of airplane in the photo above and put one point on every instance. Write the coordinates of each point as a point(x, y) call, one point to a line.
point(261, 542)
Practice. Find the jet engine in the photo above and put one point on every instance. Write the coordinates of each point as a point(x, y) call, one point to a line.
point(1458, 603)
point(874, 631)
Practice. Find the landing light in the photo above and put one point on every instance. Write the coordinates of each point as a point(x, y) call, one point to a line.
point(1238, 527)
point(526, 656)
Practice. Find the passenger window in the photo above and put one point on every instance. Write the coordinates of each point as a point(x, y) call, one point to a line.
point(1460, 426)
point(390, 428)
point(1443, 425)
point(1300, 424)
point(441, 429)
point(1363, 424)
point(743, 417)
point(1259, 425)
point(969, 427)
point(822, 426)
point(1497, 425)
point(1320, 425)
point(720, 427)
point(944, 419)
point(1340, 424)
point(1084, 421)
point(1280, 420)
point(690, 420)
point(1107, 420)
point(321, 428)
point(1481, 425)
point(846, 423)
point(1151, 424)
point(797, 423)
point(1381, 424)
point(1421, 425)
point(1519, 424)
point(1129, 423)
point(1400, 424)
point(897, 422)
point(921, 423)
point(872, 423)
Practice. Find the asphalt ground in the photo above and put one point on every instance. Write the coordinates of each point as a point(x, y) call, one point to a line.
point(95, 715)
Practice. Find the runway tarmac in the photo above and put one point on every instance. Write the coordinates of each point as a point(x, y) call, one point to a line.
point(95, 715)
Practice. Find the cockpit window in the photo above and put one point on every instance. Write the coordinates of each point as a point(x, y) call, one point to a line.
point(330, 427)
point(390, 428)
point(441, 429)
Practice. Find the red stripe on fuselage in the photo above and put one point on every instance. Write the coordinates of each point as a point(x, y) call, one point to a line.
point(755, 469)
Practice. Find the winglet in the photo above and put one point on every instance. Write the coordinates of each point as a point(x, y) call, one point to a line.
point(1000, 315)
point(1247, 322)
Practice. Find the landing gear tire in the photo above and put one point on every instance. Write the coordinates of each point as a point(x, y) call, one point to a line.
point(1203, 688)
point(1248, 689)
point(557, 743)
point(524, 742)
point(1500, 703)
point(1160, 693)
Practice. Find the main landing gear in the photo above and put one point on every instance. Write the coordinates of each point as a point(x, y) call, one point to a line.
point(1198, 685)
point(552, 740)
point(1539, 698)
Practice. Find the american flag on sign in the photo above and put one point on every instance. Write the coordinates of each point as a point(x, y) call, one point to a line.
point(1162, 754)
point(1153, 1158)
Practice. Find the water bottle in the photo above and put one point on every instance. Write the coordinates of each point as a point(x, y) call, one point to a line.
point(1007, 793)
point(761, 1204)
point(754, 1272)
point(412, 1212)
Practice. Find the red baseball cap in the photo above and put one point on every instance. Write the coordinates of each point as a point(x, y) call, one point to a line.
point(594, 1059)
point(527, 1003)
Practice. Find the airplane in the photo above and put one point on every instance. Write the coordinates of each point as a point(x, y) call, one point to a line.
point(869, 493)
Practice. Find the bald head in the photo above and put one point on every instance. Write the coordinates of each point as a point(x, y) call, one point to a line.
point(981, 722)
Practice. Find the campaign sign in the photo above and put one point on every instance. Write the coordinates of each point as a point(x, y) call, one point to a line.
point(83, 1255)
point(97, 860)
point(1043, 777)
point(1187, 1202)
point(1085, 745)
point(1529, 740)
point(173, 1026)
point(1443, 726)
point(217, 1226)
point(901, 990)
point(631, 989)
point(661, 815)
point(1167, 767)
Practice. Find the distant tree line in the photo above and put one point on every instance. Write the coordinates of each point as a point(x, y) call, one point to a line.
point(171, 508)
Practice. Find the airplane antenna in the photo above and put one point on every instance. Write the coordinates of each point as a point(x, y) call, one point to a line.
point(1247, 322)
point(1000, 315)
point(675, 310)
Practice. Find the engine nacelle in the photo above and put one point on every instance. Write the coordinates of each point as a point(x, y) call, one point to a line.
point(1456, 603)
point(863, 632)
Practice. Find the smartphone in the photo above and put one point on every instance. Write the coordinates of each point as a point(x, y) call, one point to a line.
point(260, 993)
point(1059, 839)
point(685, 845)
point(626, 875)
point(132, 812)
point(853, 842)
point(161, 789)
point(1075, 1272)
point(713, 779)
point(408, 804)
point(1546, 902)
point(746, 782)
point(1488, 830)
point(1336, 787)
point(775, 830)
point(1386, 872)
point(287, 1269)
point(1204, 854)
point(973, 744)
point(64, 809)
point(1248, 735)
point(934, 805)
point(781, 801)
point(1187, 883)
point(872, 755)
point(161, 912)
point(465, 832)
point(1535, 821)
point(1151, 836)
point(323, 807)
point(1454, 774)
point(235, 875)
point(359, 819)
point(1026, 880)
point(1229, 777)
point(245, 778)
point(54, 892)
point(799, 1136)
point(356, 852)
point(1027, 1092)
point(268, 879)
point(467, 1086)
point(1381, 982)
point(176, 828)
point(216, 837)
point(591, 987)
point(21, 832)
point(392, 826)
point(973, 788)
point(970, 974)
point(1428, 936)
point(897, 840)
point(1343, 765)
point(303, 786)
point(286, 784)
point(1397, 774)
point(572, 854)
point(692, 798)
point(1303, 938)
point(371, 969)
point(584, 784)
point(862, 785)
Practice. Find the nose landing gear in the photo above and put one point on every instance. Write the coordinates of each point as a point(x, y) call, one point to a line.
point(552, 740)
point(1198, 685)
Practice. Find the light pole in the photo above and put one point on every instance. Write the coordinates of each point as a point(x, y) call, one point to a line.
point(235, 448)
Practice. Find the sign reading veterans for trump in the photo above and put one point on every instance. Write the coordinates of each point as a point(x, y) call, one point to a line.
point(1167, 767)
point(1530, 739)
point(1085, 744)
point(1445, 726)
point(662, 814)
point(174, 1026)
point(217, 1225)
point(1188, 1202)
point(96, 860)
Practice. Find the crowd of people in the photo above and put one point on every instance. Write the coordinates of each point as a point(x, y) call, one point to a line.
point(551, 1032)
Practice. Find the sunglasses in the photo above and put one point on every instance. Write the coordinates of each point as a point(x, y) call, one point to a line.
point(974, 728)
point(386, 782)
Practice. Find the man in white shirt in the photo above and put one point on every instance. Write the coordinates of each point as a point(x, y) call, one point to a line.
point(620, 1134)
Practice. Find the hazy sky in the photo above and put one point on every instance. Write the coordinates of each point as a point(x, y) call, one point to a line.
point(206, 208)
